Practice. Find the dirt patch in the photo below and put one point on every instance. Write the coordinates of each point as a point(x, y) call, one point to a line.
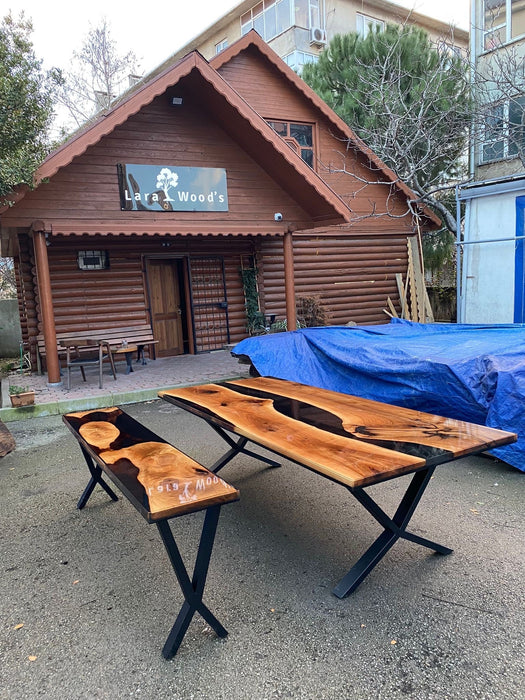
point(7, 365)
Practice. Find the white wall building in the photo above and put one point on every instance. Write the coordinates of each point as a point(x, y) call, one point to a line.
point(492, 283)
point(491, 277)
point(298, 30)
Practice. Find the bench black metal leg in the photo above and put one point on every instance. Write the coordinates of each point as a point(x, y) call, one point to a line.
point(140, 354)
point(194, 589)
point(395, 528)
point(96, 478)
point(236, 448)
point(129, 362)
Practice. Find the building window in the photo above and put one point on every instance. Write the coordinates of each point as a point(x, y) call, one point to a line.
point(308, 14)
point(517, 127)
point(503, 21)
point(364, 25)
point(268, 18)
point(297, 59)
point(504, 131)
point(298, 136)
point(221, 46)
point(272, 17)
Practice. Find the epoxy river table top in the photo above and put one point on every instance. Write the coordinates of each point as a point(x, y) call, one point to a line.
point(352, 440)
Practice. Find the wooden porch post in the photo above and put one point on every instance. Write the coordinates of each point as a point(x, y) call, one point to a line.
point(46, 305)
point(289, 282)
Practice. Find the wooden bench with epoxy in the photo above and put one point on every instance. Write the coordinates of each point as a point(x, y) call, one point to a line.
point(162, 483)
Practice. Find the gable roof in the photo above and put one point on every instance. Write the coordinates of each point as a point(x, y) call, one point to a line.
point(252, 41)
point(235, 115)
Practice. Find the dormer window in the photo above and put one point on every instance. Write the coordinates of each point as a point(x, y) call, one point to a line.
point(298, 136)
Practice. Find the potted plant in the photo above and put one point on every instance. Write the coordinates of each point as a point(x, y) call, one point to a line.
point(21, 396)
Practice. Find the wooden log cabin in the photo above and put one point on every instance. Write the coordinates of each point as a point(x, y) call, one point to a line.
point(204, 169)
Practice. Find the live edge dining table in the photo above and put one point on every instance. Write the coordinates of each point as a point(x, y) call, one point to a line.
point(352, 441)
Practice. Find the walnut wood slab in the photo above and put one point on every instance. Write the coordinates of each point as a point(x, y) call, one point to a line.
point(375, 421)
point(354, 441)
point(160, 480)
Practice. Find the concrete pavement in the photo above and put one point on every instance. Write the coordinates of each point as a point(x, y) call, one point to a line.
point(88, 597)
point(140, 385)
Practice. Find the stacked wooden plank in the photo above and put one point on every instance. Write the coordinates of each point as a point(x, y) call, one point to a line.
point(413, 296)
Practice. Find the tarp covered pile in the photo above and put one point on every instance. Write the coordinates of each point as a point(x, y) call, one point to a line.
point(468, 372)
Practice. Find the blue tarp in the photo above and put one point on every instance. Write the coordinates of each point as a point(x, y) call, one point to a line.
point(472, 373)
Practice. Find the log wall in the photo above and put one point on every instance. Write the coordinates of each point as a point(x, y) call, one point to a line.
point(117, 297)
point(353, 275)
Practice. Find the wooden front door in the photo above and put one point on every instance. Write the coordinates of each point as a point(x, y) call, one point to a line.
point(165, 304)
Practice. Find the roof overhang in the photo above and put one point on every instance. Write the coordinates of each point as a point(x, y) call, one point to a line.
point(141, 228)
point(486, 188)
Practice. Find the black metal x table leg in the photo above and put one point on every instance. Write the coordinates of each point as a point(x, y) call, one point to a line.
point(395, 528)
point(194, 589)
point(96, 478)
point(237, 446)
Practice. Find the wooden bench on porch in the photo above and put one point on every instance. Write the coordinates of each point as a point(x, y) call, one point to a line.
point(136, 337)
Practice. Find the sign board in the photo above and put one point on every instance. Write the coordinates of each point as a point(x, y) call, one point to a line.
point(172, 188)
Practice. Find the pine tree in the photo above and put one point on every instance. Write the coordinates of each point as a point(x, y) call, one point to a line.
point(26, 106)
point(407, 99)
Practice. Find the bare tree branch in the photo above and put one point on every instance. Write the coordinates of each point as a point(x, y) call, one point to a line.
point(98, 75)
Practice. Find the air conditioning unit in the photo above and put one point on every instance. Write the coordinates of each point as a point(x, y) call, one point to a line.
point(318, 36)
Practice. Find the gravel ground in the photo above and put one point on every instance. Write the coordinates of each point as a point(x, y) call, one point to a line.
point(88, 597)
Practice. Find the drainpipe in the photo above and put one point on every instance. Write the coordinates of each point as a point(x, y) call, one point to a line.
point(460, 256)
point(459, 259)
point(474, 40)
point(289, 282)
point(46, 304)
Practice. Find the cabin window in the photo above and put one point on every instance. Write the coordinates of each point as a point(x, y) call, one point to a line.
point(298, 136)
point(221, 46)
point(93, 259)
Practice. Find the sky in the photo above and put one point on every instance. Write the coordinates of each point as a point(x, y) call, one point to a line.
point(154, 31)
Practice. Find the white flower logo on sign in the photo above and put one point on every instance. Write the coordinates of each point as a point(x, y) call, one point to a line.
point(167, 179)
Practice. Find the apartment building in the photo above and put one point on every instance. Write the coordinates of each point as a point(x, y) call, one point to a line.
point(491, 258)
point(298, 30)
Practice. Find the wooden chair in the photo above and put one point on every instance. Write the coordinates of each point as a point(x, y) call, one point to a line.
point(80, 346)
